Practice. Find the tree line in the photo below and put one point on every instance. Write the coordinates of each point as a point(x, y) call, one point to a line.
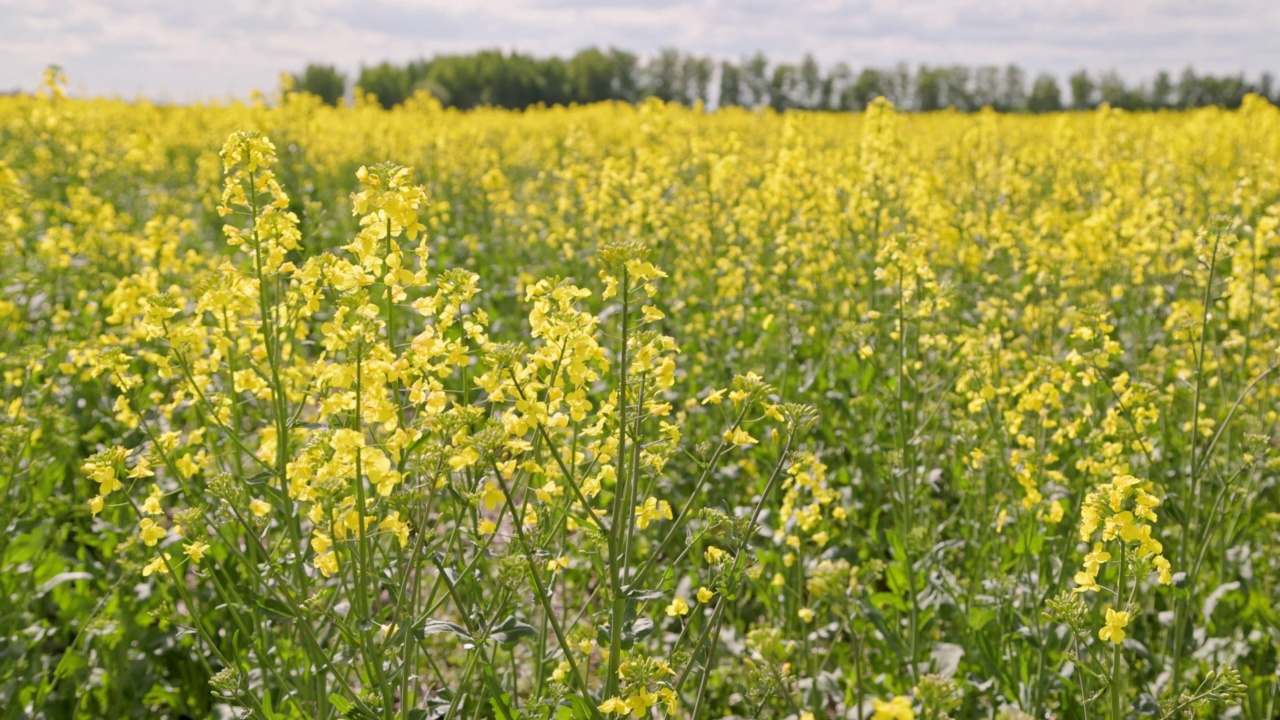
point(516, 80)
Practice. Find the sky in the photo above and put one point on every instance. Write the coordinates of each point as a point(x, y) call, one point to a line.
point(183, 50)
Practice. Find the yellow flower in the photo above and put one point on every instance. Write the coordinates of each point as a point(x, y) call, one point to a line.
point(548, 492)
point(142, 469)
point(394, 525)
point(465, 458)
point(678, 607)
point(670, 700)
point(186, 466)
point(652, 509)
point(806, 614)
point(327, 564)
point(151, 506)
point(195, 550)
point(1085, 583)
point(738, 436)
point(105, 476)
point(259, 507)
point(899, 708)
point(157, 565)
point(640, 701)
point(614, 706)
point(1144, 503)
point(151, 532)
point(487, 526)
point(1055, 513)
point(713, 554)
point(1164, 569)
point(492, 496)
point(95, 504)
point(1094, 560)
point(705, 595)
point(1116, 623)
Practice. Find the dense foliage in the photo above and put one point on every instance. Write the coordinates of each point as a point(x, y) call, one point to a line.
point(516, 80)
point(646, 411)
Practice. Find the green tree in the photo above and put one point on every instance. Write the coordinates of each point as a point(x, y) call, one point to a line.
point(662, 76)
point(811, 90)
point(1226, 91)
point(871, 84)
point(1112, 90)
point(1188, 92)
point(1082, 91)
point(730, 85)
point(389, 83)
point(1161, 90)
point(986, 87)
point(323, 81)
point(954, 83)
point(1045, 96)
point(755, 73)
point(626, 75)
point(695, 75)
point(839, 87)
point(900, 86)
point(1013, 93)
point(515, 80)
point(928, 89)
point(551, 79)
point(783, 86)
point(589, 76)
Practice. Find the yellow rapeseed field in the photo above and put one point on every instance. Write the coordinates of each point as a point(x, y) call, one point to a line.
point(611, 411)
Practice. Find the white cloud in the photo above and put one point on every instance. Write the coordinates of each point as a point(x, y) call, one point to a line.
point(189, 51)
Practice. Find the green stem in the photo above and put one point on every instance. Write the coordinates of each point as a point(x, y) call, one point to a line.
point(1117, 669)
point(617, 613)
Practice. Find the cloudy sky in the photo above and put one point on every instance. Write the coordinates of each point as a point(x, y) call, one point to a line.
point(180, 50)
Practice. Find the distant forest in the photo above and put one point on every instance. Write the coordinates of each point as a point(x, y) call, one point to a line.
point(515, 80)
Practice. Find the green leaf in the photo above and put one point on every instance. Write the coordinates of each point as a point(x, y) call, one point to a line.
point(275, 608)
point(878, 620)
point(435, 627)
point(638, 594)
point(62, 577)
point(641, 627)
point(578, 709)
point(501, 705)
point(883, 600)
point(340, 703)
point(511, 630)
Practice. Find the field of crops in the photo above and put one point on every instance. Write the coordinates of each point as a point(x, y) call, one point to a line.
point(646, 412)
